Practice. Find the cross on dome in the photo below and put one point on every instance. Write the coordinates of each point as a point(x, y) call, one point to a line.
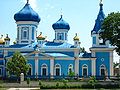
point(101, 1)
point(27, 1)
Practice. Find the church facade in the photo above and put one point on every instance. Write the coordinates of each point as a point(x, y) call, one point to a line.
point(57, 57)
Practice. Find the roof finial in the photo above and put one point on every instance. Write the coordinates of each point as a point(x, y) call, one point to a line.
point(101, 1)
point(27, 1)
point(1, 36)
point(61, 12)
point(76, 34)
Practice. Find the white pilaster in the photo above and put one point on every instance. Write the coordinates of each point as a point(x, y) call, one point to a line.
point(76, 66)
point(52, 66)
point(36, 63)
point(93, 68)
point(111, 63)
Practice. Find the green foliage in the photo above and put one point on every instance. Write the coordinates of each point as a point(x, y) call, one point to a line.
point(17, 65)
point(40, 83)
point(111, 30)
point(28, 81)
point(57, 85)
point(65, 82)
point(92, 81)
point(71, 74)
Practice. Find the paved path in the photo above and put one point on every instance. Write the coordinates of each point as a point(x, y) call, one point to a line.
point(22, 88)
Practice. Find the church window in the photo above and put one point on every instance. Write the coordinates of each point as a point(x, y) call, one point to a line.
point(57, 70)
point(102, 59)
point(94, 40)
point(85, 70)
point(102, 70)
point(0, 71)
point(30, 70)
point(32, 33)
point(70, 69)
point(44, 70)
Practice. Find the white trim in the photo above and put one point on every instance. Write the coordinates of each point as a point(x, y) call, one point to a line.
point(111, 64)
point(70, 67)
point(45, 68)
point(85, 68)
point(56, 68)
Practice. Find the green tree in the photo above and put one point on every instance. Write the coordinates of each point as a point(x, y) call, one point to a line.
point(111, 30)
point(17, 64)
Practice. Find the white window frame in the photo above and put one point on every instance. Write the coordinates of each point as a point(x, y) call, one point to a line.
point(56, 68)
point(84, 68)
point(102, 68)
point(44, 67)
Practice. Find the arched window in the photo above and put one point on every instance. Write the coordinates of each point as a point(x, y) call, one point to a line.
point(57, 70)
point(44, 70)
point(25, 34)
point(102, 70)
point(85, 70)
point(30, 70)
point(70, 69)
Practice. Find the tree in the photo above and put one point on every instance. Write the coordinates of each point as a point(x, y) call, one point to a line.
point(17, 65)
point(111, 30)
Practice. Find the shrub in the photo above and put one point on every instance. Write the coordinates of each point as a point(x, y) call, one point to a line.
point(57, 85)
point(28, 81)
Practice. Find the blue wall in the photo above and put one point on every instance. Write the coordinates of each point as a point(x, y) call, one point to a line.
point(64, 65)
point(88, 63)
point(106, 62)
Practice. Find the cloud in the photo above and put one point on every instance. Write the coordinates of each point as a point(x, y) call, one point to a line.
point(33, 3)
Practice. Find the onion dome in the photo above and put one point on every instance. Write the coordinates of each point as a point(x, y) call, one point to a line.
point(40, 37)
point(61, 24)
point(7, 38)
point(76, 37)
point(99, 20)
point(2, 40)
point(27, 14)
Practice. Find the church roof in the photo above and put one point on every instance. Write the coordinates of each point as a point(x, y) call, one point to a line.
point(61, 24)
point(99, 20)
point(56, 45)
point(27, 14)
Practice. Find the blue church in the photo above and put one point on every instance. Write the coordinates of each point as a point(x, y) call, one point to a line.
point(57, 57)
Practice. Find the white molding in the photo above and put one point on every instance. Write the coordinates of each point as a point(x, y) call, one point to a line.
point(27, 22)
point(102, 49)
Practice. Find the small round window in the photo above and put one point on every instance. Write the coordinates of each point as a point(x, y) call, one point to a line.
point(102, 59)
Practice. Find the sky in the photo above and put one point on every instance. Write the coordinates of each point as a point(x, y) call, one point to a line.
point(80, 14)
